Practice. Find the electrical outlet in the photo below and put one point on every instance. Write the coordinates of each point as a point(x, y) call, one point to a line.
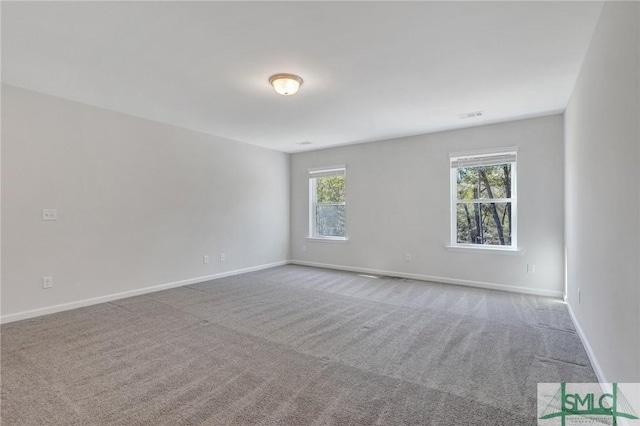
point(49, 214)
point(531, 269)
point(222, 257)
point(205, 259)
point(47, 282)
point(407, 257)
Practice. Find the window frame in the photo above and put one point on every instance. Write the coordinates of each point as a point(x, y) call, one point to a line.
point(486, 157)
point(313, 175)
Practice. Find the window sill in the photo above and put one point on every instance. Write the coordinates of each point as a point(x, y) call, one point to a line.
point(329, 239)
point(484, 249)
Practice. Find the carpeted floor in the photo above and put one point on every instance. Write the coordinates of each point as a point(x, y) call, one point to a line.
point(292, 345)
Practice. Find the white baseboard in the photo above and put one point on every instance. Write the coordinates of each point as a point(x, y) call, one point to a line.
point(605, 385)
point(592, 356)
point(109, 297)
point(419, 277)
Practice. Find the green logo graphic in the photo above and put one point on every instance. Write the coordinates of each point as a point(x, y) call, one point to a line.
point(588, 404)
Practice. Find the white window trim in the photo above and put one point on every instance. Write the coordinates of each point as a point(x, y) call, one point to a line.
point(320, 172)
point(480, 248)
point(339, 240)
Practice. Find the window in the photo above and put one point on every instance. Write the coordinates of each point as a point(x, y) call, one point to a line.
point(483, 200)
point(327, 203)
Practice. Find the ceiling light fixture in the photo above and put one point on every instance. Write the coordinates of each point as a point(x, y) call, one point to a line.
point(285, 84)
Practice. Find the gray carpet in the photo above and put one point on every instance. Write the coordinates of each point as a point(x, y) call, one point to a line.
point(292, 346)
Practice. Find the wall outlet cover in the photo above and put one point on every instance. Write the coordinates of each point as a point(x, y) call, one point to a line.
point(49, 214)
point(47, 282)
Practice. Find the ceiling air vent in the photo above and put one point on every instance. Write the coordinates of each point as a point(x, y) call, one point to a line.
point(471, 114)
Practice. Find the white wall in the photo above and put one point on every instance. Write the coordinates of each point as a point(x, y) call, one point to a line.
point(398, 202)
point(139, 203)
point(603, 193)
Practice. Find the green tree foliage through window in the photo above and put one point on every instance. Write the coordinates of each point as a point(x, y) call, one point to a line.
point(328, 206)
point(484, 204)
point(330, 189)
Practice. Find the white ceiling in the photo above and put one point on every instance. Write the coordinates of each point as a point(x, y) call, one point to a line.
point(371, 70)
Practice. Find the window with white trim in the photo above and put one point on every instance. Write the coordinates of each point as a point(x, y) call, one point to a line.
point(483, 200)
point(327, 203)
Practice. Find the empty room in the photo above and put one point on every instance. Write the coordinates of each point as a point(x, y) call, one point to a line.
point(320, 213)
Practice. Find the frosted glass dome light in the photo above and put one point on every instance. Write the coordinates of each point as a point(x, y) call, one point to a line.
point(285, 84)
